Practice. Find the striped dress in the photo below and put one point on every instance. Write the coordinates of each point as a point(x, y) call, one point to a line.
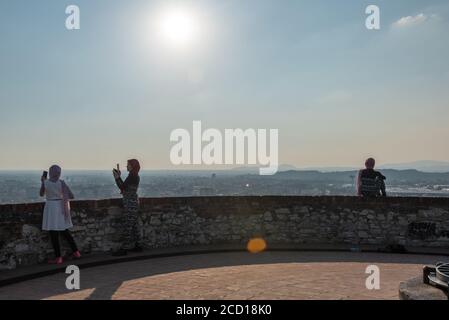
point(130, 235)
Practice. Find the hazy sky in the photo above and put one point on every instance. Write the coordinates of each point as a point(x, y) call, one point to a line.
point(114, 90)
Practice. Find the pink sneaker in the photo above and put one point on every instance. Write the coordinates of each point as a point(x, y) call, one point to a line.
point(76, 255)
point(56, 261)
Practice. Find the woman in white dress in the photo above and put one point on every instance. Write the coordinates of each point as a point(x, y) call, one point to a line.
point(56, 218)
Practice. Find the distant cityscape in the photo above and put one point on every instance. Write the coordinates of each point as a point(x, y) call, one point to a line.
point(23, 186)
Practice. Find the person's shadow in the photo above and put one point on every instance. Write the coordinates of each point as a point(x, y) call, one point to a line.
point(104, 292)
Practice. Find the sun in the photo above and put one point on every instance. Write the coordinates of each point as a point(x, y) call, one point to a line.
point(178, 27)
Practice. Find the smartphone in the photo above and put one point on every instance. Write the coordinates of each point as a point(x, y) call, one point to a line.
point(45, 174)
point(118, 167)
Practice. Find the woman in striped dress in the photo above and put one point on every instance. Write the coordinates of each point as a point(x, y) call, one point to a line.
point(130, 233)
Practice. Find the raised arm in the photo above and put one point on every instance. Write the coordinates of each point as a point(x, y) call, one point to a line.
point(130, 181)
point(120, 184)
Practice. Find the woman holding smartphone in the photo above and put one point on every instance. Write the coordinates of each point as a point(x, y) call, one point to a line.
point(56, 218)
point(128, 188)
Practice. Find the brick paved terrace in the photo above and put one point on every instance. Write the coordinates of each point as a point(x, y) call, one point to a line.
point(234, 275)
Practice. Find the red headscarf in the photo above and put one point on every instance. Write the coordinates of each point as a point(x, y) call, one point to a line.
point(136, 166)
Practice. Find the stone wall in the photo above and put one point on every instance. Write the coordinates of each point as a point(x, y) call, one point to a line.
point(169, 222)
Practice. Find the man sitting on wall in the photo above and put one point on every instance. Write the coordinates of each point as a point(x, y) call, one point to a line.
point(371, 183)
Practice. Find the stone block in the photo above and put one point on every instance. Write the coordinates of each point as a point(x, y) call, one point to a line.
point(155, 221)
point(363, 234)
point(282, 211)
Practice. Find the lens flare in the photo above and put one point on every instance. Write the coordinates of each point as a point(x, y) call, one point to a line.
point(256, 245)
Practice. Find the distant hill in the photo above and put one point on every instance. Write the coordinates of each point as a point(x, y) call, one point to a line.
point(329, 169)
point(255, 168)
point(424, 166)
point(393, 176)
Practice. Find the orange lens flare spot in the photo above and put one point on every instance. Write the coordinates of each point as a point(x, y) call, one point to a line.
point(256, 245)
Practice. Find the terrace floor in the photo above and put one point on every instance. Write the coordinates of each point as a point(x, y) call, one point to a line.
point(234, 275)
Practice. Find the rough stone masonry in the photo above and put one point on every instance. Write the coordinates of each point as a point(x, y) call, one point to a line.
point(171, 222)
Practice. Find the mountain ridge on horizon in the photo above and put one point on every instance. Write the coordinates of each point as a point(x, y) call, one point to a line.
point(426, 166)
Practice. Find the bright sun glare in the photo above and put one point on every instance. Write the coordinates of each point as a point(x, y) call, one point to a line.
point(178, 27)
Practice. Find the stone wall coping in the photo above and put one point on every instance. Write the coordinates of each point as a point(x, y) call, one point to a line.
point(342, 201)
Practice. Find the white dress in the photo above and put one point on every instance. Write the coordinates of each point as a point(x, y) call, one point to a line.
point(54, 218)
